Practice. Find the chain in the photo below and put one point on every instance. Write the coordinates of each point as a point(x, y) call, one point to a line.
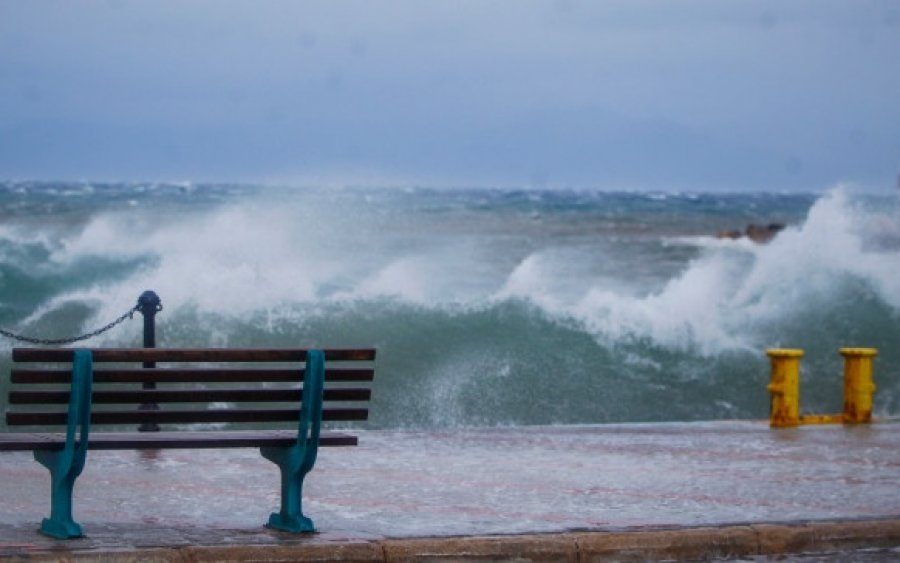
point(52, 341)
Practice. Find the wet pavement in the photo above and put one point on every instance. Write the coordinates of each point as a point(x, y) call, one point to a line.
point(465, 483)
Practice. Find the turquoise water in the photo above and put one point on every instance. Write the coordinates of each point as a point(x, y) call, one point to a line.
point(488, 306)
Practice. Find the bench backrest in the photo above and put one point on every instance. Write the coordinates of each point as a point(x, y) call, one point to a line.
point(192, 386)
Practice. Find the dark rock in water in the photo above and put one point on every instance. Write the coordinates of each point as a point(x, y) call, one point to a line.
point(760, 233)
point(756, 233)
point(732, 234)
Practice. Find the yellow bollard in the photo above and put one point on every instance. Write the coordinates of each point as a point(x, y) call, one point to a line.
point(858, 386)
point(785, 387)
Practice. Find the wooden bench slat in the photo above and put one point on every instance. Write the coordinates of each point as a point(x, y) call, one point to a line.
point(147, 396)
point(185, 416)
point(185, 375)
point(25, 441)
point(190, 354)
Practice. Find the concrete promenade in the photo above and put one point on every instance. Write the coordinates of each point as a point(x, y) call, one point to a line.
point(726, 490)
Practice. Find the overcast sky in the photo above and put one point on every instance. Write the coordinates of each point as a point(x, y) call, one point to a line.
point(720, 94)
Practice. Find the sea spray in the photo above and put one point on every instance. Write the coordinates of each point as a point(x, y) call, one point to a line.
point(496, 307)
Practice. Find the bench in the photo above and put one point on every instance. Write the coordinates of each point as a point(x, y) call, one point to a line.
point(59, 396)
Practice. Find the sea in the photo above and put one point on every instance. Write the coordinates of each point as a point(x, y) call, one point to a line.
point(488, 306)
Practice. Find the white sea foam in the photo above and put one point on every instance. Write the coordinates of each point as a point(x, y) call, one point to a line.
point(247, 258)
point(716, 301)
point(807, 265)
point(692, 311)
point(229, 261)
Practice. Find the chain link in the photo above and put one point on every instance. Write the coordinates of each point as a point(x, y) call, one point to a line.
point(53, 341)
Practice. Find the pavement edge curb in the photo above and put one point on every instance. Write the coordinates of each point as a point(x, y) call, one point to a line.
point(727, 541)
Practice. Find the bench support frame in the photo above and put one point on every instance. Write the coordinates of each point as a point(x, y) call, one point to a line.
point(66, 465)
point(296, 461)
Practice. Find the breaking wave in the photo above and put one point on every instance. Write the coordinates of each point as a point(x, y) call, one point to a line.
point(487, 307)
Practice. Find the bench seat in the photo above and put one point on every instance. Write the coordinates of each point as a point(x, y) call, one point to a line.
point(163, 440)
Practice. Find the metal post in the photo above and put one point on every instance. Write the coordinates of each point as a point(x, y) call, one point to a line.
point(785, 387)
point(858, 386)
point(149, 304)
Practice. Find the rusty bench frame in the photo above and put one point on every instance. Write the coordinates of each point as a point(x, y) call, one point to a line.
point(299, 395)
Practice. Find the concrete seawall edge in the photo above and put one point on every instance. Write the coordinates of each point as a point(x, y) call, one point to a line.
point(728, 541)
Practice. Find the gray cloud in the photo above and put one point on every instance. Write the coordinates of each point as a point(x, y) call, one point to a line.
point(604, 94)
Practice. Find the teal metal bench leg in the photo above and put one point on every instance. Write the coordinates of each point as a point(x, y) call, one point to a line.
point(291, 517)
point(296, 461)
point(60, 525)
point(65, 465)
